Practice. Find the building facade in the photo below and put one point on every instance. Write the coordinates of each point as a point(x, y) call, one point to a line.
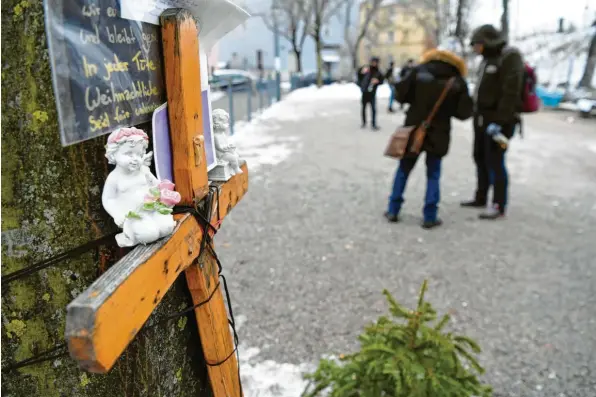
point(396, 33)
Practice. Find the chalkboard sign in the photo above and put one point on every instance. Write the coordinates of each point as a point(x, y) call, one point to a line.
point(106, 70)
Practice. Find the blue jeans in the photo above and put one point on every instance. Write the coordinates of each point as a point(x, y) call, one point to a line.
point(491, 168)
point(433, 194)
point(391, 96)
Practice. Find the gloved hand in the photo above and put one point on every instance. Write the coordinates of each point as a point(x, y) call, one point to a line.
point(493, 129)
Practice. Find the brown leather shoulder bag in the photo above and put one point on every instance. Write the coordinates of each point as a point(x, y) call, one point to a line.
point(398, 143)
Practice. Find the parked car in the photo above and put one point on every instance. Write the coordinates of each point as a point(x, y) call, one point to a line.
point(298, 81)
point(241, 80)
point(586, 106)
point(585, 101)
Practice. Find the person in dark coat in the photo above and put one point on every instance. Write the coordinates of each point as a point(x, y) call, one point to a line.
point(421, 89)
point(390, 80)
point(408, 66)
point(498, 101)
point(369, 79)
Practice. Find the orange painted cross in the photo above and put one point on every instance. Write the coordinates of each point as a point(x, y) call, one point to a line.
point(104, 319)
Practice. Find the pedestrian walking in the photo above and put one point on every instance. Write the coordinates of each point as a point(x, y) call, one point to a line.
point(441, 72)
point(369, 78)
point(497, 103)
point(391, 81)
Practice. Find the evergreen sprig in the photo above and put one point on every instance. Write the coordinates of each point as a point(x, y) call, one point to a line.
point(410, 357)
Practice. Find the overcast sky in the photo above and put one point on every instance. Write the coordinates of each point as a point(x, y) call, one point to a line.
point(526, 16)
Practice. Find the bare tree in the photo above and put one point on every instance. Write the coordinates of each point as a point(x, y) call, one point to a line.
point(353, 36)
point(461, 30)
point(291, 19)
point(461, 24)
point(505, 20)
point(322, 11)
point(586, 80)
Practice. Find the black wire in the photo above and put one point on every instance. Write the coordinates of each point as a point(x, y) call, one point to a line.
point(184, 311)
point(72, 253)
point(38, 358)
point(206, 242)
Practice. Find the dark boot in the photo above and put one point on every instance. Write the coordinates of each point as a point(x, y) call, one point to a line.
point(473, 204)
point(392, 218)
point(390, 110)
point(492, 213)
point(431, 224)
point(376, 128)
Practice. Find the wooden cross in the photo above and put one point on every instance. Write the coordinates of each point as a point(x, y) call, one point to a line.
point(103, 320)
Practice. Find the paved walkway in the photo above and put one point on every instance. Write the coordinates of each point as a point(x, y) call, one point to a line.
point(308, 252)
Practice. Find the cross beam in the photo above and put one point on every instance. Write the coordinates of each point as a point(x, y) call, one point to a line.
point(103, 320)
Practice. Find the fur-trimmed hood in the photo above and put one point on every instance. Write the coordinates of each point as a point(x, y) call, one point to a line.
point(447, 57)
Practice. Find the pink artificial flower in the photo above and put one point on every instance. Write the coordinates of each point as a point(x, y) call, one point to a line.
point(165, 184)
point(169, 197)
point(116, 136)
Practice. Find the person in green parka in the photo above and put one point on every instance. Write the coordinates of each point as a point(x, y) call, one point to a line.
point(497, 104)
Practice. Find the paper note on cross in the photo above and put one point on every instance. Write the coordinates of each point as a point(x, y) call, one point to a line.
point(104, 319)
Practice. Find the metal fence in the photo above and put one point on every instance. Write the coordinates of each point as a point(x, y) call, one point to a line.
point(245, 98)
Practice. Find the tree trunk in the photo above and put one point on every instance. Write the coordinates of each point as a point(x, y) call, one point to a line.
point(319, 50)
point(586, 80)
point(51, 202)
point(355, 60)
point(298, 55)
point(505, 20)
point(459, 20)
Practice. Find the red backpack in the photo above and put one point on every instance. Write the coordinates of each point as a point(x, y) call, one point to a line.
point(530, 101)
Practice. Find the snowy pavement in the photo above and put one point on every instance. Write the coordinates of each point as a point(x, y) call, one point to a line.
point(307, 252)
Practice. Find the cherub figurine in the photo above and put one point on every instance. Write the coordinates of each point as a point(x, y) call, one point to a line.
point(139, 203)
point(225, 151)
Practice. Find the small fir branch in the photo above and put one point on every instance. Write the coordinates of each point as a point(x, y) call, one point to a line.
point(406, 355)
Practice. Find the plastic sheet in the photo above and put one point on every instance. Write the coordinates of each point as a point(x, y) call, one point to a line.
point(106, 70)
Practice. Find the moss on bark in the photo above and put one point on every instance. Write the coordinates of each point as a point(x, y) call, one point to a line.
point(51, 201)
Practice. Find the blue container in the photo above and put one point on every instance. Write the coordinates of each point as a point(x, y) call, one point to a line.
point(549, 99)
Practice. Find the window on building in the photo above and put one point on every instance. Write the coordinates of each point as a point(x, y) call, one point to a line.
point(390, 37)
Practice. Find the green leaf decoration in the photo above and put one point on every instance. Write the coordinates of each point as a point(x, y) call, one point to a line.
point(133, 215)
point(155, 192)
point(159, 204)
point(165, 211)
point(405, 355)
point(149, 206)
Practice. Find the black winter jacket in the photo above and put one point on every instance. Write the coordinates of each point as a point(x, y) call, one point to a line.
point(497, 98)
point(422, 87)
point(364, 79)
point(498, 92)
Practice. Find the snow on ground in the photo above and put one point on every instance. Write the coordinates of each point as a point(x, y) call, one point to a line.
point(257, 141)
point(334, 91)
point(258, 145)
point(216, 95)
point(268, 378)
